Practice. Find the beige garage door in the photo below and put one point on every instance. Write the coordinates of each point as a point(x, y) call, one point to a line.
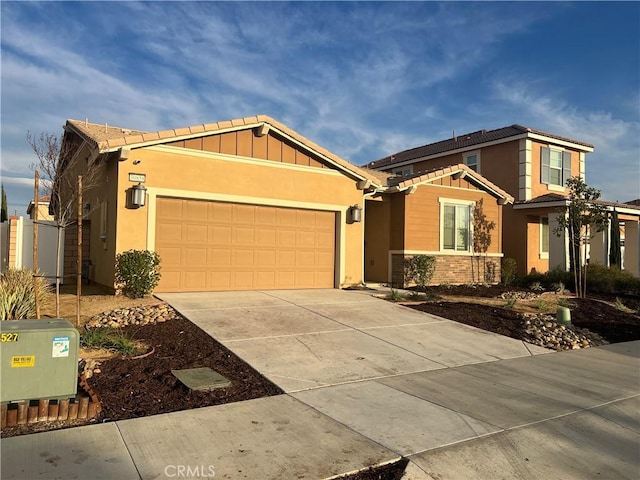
point(207, 246)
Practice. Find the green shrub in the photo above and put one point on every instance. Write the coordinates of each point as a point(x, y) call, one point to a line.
point(137, 272)
point(508, 272)
point(17, 294)
point(510, 302)
point(396, 295)
point(601, 279)
point(110, 339)
point(419, 269)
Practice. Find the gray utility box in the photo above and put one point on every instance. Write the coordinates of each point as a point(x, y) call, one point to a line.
point(39, 359)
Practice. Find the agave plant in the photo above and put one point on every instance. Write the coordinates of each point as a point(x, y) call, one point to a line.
point(18, 293)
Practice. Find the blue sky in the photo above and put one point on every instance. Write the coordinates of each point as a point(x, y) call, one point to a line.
point(363, 80)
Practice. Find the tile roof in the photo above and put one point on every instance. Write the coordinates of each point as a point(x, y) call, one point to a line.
point(107, 138)
point(427, 176)
point(463, 141)
point(555, 197)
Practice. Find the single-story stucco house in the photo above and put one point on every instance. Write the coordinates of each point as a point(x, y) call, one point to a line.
point(251, 204)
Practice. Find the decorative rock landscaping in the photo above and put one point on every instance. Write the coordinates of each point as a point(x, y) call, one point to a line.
point(545, 331)
point(121, 317)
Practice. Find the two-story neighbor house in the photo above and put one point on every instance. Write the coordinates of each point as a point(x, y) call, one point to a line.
point(532, 166)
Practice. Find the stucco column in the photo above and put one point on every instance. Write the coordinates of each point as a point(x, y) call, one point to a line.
point(632, 247)
point(558, 246)
point(599, 248)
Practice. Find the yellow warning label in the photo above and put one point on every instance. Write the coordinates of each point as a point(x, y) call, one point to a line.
point(23, 361)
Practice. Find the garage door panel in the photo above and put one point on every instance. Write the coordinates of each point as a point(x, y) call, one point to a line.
point(244, 235)
point(220, 212)
point(245, 214)
point(169, 232)
point(266, 216)
point(169, 208)
point(243, 280)
point(219, 280)
point(219, 257)
point(266, 237)
point(196, 233)
point(171, 256)
point(195, 280)
point(266, 280)
point(196, 212)
point(224, 246)
point(265, 259)
point(195, 256)
point(219, 235)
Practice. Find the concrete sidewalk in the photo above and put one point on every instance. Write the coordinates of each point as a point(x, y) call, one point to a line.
point(369, 382)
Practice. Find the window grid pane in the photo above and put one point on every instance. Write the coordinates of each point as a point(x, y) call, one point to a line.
point(449, 227)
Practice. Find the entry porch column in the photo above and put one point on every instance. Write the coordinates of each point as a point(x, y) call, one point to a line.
point(632, 247)
point(599, 247)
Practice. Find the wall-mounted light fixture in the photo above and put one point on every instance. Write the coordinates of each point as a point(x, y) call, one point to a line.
point(355, 214)
point(136, 196)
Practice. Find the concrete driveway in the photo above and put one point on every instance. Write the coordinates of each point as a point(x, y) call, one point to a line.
point(457, 401)
point(305, 339)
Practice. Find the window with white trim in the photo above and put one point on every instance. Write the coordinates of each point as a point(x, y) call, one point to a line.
point(544, 237)
point(404, 171)
point(456, 227)
point(472, 160)
point(555, 166)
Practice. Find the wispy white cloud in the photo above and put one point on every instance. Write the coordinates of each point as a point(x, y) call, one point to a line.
point(614, 166)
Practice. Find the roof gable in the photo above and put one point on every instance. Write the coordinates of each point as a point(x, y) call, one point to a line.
point(407, 182)
point(109, 139)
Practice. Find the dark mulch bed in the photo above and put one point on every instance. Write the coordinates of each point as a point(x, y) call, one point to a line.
point(141, 387)
point(391, 471)
point(613, 324)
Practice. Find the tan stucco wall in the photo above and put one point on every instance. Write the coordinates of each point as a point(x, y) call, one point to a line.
point(195, 174)
point(422, 226)
point(103, 251)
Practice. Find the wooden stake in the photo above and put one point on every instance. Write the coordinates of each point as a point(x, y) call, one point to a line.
point(63, 411)
point(3, 415)
point(79, 264)
point(36, 189)
point(32, 414)
point(83, 407)
point(53, 412)
point(12, 417)
point(43, 410)
point(22, 413)
point(73, 411)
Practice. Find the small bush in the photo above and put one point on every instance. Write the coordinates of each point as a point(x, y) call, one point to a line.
point(510, 302)
point(396, 295)
point(563, 302)
point(601, 279)
point(536, 287)
point(110, 339)
point(137, 272)
point(17, 294)
point(508, 272)
point(540, 304)
point(419, 269)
